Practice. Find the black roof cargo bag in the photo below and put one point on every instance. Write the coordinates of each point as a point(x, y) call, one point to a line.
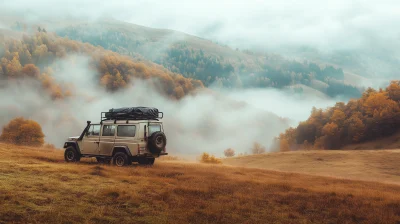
point(133, 113)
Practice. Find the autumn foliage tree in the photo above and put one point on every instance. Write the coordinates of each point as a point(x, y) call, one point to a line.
point(22, 132)
point(394, 90)
point(376, 114)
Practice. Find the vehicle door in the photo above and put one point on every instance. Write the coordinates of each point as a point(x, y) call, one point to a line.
point(127, 136)
point(107, 140)
point(90, 141)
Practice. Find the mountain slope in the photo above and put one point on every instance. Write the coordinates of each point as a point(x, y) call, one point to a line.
point(207, 61)
point(37, 56)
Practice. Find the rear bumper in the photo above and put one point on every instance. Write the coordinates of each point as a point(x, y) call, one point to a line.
point(152, 155)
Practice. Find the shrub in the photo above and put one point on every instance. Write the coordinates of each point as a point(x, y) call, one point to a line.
point(207, 158)
point(229, 152)
point(22, 132)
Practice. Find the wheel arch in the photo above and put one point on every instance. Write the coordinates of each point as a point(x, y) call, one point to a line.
point(123, 149)
point(74, 145)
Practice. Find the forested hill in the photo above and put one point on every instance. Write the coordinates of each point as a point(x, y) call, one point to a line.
point(35, 56)
point(375, 115)
point(210, 62)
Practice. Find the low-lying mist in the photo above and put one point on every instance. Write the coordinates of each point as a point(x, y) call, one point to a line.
point(208, 121)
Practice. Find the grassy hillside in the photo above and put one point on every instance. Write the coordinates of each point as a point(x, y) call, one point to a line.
point(38, 186)
point(367, 165)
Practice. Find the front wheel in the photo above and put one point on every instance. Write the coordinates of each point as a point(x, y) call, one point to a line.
point(70, 155)
point(121, 159)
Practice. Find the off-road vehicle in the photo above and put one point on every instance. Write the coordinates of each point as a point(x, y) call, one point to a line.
point(123, 136)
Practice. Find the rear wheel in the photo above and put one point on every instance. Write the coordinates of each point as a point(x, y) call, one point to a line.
point(121, 159)
point(71, 155)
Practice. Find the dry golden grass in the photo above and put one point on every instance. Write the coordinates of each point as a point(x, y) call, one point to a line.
point(368, 165)
point(37, 186)
point(169, 158)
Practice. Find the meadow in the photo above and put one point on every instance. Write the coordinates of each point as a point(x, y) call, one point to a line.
point(37, 186)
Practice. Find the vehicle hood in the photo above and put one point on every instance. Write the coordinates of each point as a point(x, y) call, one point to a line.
point(74, 138)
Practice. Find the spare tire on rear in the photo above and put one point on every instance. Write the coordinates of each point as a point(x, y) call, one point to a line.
point(157, 142)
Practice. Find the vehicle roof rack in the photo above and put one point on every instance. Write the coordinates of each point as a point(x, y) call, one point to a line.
point(119, 117)
point(133, 113)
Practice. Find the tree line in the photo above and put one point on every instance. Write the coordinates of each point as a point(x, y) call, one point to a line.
point(374, 115)
point(34, 56)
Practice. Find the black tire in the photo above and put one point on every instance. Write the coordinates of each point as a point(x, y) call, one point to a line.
point(71, 155)
point(157, 142)
point(121, 159)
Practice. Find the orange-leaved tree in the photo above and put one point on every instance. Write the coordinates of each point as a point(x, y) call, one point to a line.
point(21, 131)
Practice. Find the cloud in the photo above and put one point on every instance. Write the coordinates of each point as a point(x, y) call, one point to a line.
point(203, 122)
point(326, 25)
point(360, 36)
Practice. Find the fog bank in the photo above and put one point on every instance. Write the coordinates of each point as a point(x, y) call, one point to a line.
point(204, 122)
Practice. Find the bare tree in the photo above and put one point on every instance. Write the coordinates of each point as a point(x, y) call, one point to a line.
point(229, 152)
point(258, 148)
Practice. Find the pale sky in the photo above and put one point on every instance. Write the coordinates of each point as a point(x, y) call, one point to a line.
point(338, 24)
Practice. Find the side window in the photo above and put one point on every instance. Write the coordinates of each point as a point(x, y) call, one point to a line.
point(108, 130)
point(126, 131)
point(94, 130)
point(154, 128)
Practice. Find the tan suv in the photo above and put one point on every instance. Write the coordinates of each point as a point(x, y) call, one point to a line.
point(123, 136)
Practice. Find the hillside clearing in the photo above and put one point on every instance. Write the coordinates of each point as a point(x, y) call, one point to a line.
point(36, 185)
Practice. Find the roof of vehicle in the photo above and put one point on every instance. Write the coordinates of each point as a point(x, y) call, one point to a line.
point(129, 121)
